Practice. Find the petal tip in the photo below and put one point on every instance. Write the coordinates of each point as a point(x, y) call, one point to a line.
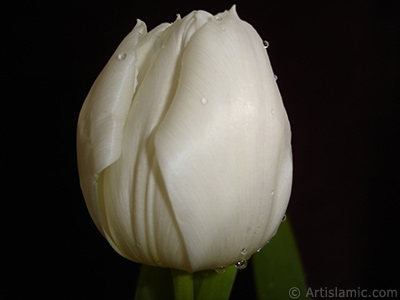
point(232, 12)
point(140, 26)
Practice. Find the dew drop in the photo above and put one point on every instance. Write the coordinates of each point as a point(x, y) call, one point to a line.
point(240, 265)
point(273, 192)
point(220, 270)
point(121, 56)
point(273, 111)
point(223, 28)
point(266, 44)
point(259, 250)
point(218, 18)
point(244, 251)
point(284, 218)
point(276, 77)
point(204, 101)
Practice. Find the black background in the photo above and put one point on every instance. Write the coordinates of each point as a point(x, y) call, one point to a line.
point(338, 67)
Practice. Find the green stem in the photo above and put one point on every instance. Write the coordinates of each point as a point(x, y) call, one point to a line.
point(154, 284)
point(213, 286)
point(183, 285)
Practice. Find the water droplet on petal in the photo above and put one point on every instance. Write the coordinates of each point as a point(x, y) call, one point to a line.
point(259, 249)
point(276, 77)
point(284, 218)
point(121, 56)
point(220, 270)
point(223, 28)
point(240, 265)
point(266, 44)
point(218, 18)
point(244, 251)
point(273, 192)
point(273, 111)
point(204, 101)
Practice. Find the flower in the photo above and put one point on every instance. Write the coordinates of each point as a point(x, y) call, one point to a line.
point(183, 144)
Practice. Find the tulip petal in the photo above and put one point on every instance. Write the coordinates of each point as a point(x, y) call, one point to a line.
point(103, 117)
point(137, 213)
point(224, 145)
point(104, 113)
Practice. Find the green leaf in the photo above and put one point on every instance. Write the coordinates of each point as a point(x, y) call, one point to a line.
point(212, 286)
point(278, 271)
point(154, 284)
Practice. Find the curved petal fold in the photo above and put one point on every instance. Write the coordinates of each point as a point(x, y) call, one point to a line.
point(136, 211)
point(221, 145)
point(103, 116)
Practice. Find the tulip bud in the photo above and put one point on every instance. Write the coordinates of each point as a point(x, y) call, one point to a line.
point(183, 144)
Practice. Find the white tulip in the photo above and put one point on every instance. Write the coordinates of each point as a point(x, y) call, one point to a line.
point(183, 144)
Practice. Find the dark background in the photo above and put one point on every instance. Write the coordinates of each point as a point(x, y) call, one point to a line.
point(338, 67)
